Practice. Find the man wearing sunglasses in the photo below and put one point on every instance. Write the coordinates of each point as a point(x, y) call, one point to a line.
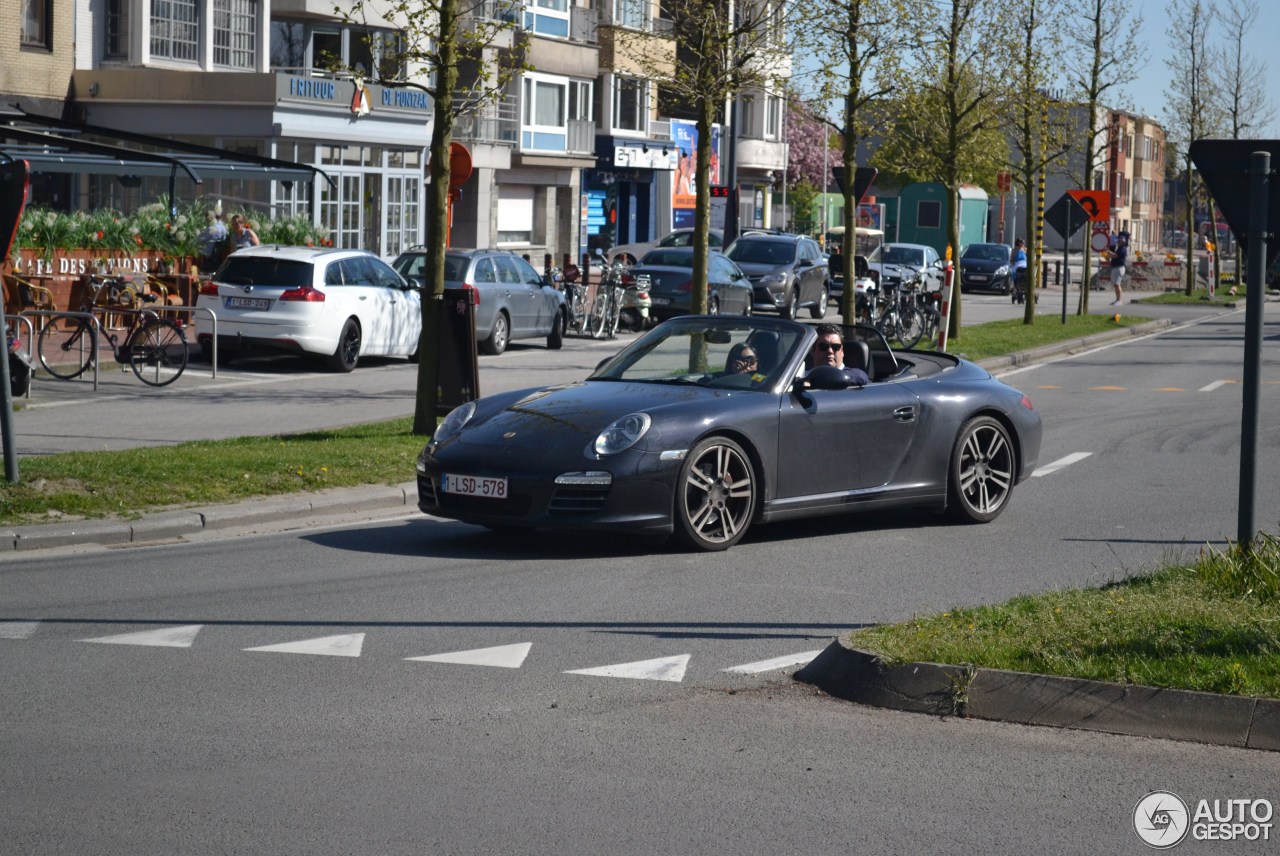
point(828, 350)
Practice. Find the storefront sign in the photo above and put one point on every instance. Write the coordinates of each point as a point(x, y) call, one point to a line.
point(645, 157)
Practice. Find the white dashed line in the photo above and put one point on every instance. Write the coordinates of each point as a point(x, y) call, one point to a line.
point(1211, 387)
point(663, 669)
point(503, 656)
point(18, 629)
point(1060, 463)
point(347, 645)
point(775, 663)
point(166, 637)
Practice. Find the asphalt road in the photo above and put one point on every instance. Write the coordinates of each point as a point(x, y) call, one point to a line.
point(605, 721)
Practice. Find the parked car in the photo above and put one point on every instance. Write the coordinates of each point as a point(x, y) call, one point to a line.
point(338, 304)
point(632, 253)
point(893, 263)
point(673, 436)
point(514, 301)
point(667, 274)
point(985, 267)
point(787, 272)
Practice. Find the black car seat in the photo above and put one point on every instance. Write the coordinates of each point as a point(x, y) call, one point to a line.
point(765, 344)
point(857, 355)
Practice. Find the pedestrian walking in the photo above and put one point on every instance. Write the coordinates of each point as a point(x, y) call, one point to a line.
point(1119, 255)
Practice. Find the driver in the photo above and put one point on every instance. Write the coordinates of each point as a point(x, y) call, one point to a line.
point(828, 351)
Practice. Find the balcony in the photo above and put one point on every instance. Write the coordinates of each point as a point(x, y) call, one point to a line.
point(631, 17)
point(494, 123)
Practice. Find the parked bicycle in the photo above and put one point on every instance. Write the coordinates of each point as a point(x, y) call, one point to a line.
point(606, 309)
point(154, 347)
point(893, 310)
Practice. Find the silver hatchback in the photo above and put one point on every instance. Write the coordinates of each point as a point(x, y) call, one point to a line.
point(514, 301)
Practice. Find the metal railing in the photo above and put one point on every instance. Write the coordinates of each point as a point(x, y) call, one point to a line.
point(496, 122)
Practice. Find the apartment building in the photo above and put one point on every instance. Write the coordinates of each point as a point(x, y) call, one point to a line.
point(1134, 175)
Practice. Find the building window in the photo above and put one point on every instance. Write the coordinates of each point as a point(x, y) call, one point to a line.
point(629, 13)
point(515, 215)
point(628, 104)
point(288, 46)
point(175, 29)
point(929, 214)
point(37, 23)
point(543, 125)
point(548, 17)
point(580, 95)
point(773, 117)
point(235, 28)
point(117, 30)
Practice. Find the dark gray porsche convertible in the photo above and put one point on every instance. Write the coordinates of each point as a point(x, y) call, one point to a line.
point(676, 435)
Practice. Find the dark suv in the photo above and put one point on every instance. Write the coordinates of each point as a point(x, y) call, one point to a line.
point(787, 273)
point(514, 301)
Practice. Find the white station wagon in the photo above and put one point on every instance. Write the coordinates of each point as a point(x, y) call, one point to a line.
point(339, 304)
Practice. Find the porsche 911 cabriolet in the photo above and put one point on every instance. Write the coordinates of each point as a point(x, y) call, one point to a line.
point(707, 425)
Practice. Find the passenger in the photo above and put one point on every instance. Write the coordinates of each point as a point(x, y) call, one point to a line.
point(742, 360)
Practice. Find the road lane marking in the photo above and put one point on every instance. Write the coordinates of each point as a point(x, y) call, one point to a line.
point(775, 663)
point(166, 637)
point(1211, 387)
point(1107, 388)
point(1170, 389)
point(502, 656)
point(663, 669)
point(1060, 463)
point(347, 645)
point(18, 629)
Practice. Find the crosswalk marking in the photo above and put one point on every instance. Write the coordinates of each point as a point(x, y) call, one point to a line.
point(1060, 463)
point(165, 637)
point(663, 669)
point(502, 656)
point(1211, 387)
point(775, 663)
point(18, 629)
point(347, 645)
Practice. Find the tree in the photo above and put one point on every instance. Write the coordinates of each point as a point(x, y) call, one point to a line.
point(1191, 110)
point(1111, 57)
point(440, 38)
point(1242, 82)
point(862, 41)
point(948, 107)
point(809, 164)
point(716, 50)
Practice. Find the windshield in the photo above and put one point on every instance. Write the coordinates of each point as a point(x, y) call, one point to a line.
point(987, 252)
point(668, 258)
point(898, 255)
point(264, 270)
point(743, 354)
point(412, 266)
point(762, 252)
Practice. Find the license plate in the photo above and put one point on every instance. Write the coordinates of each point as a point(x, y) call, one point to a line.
point(474, 486)
point(248, 303)
point(661, 301)
point(978, 277)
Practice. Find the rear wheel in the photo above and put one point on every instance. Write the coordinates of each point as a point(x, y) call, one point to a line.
point(498, 339)
point(599, 316)
point(555, 339)
point(157, 352)
point(715, 495)
point(347, 354)
point(67, 346)
point(981, 471)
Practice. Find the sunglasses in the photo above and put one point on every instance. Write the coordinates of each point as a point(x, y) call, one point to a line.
point(828, 346)
point(745, 361)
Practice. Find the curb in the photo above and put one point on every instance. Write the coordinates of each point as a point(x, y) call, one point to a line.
point(1018, 697)
point(168, 525)
point(1068, 346)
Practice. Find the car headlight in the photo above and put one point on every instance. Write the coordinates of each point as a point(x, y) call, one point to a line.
point(622, 434)
point(1002, 270)
point(773, 279)
point(453, 423)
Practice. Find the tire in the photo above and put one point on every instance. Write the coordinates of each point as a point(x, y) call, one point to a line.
point(715, 496)
point(157, 352)
point(19, 377)
point(981, 472)
point(347, 354)
point(820, 310)
point(792, 309)
point(614, 316)
point(67, 354)
point(599, 317)
point(499, 338)
point(555, 339)
point(910, 326)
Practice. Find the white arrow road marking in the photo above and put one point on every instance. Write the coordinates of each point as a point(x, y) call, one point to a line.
point(775, 663)
point(502, 656)
point(347, 645)
point(18, 629)
point(167, 637)
point(1060, 463)
point(663, 669)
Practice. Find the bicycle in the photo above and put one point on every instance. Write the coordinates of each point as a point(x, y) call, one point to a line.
point(575, 298)
point(899, 317)
point(606, 309)
point(154, 347)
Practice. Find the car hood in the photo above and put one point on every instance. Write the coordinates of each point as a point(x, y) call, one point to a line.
point(761, 268)
point(981, 265)
point(573, 414)
point(895, 270)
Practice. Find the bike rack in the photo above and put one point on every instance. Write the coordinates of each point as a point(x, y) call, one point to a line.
point(60, 314)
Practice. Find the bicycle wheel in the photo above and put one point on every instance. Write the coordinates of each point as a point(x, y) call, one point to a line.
point(64, 353)
point(615, 312)
point(157, 352)
point(910, 325)
point(599, 317)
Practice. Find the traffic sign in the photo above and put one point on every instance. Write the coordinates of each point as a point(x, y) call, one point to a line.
point(1004, 182)
point(1224, 165)
point(863, 176)
point(1101, 238)
point(1066, 216)
point(1096, 203)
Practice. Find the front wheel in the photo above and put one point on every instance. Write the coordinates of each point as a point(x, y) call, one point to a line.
point(67, 353)
point(981, 472)
point(715, 495)
point(599, 317)
point(910, 328)
point(819, 310)
point(792, 309)
point(157, 352)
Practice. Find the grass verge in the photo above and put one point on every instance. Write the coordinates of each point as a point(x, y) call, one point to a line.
point(996, 338)
point(1211, 625)
point(208, 472)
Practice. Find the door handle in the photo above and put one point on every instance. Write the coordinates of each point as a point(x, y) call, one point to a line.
point(904, 414)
